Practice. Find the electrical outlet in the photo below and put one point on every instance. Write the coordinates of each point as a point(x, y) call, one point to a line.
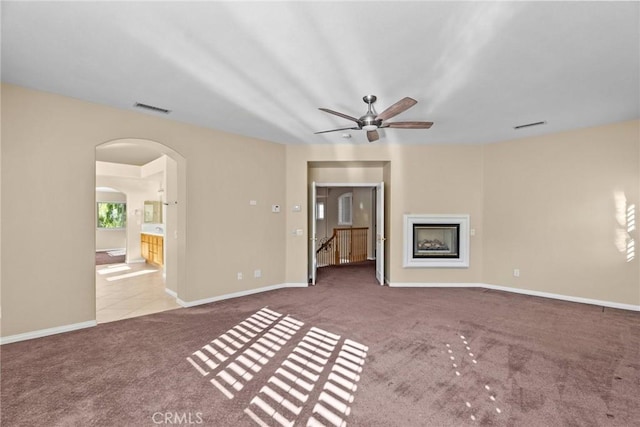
point(239, 276)
point(257, 273)
point(516, 272)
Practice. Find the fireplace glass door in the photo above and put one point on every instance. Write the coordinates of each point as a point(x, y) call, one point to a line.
point(436, 240)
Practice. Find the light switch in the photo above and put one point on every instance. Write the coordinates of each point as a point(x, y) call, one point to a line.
point(275, 208)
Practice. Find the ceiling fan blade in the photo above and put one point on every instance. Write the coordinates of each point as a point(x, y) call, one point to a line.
point(344, 116)
point(397, 108)
point(372, 135)
point(335, 130)
point(409, 125)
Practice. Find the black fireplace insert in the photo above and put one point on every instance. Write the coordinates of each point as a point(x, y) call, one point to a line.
point(436, 240)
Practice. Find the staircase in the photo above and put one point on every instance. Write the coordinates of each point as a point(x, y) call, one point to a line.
point(345, 246)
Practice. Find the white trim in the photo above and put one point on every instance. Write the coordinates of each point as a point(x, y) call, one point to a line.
point(435, 285)
point(347, 184)
point(611, 304)
point(46, 332)
point(91, 323)
point(171, 293)
point(409, 220)
point(240, 294)
point(581, 300)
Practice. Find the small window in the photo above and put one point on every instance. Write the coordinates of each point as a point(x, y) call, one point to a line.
point(320, 210)
point(344, 209)
point(112, 215)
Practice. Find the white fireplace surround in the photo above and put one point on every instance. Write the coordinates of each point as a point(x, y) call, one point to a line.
point(462, 261)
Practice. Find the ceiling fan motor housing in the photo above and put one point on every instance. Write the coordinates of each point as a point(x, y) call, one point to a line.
point(369, 121)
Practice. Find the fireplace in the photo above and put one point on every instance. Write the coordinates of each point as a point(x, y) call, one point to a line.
point(436, 240)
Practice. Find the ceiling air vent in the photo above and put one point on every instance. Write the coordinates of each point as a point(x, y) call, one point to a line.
point(151, 108)
point(529, 125)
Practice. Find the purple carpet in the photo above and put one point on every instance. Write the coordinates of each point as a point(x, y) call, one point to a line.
point(345, 352)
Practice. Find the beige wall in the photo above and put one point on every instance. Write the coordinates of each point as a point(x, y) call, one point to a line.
point(436, 180)
point(224, 234)
point(363, 214)
point(550, 211)
point(301, 159)
point(418, 179)
point(348, 173)
point(544, 205)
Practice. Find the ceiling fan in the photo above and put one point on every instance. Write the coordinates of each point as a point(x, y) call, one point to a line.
point(372, 122)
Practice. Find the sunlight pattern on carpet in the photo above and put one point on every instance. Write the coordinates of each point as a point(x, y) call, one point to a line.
point(457, 363)
point(235, 375)
point(298, 375)
point(290, 387)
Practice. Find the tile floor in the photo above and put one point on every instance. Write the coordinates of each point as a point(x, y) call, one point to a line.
point(130, 290)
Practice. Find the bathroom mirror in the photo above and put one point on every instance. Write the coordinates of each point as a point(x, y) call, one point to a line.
point(152, 212)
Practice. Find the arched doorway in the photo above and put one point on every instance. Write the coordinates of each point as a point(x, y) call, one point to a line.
point(150, 174)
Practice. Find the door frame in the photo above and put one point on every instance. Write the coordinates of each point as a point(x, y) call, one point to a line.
point(380, 219)
point(174, 212)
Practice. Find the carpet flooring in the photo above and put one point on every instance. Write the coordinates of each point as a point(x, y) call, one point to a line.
point(345, 352)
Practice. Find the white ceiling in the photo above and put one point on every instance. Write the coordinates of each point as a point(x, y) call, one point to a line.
point(262, 69)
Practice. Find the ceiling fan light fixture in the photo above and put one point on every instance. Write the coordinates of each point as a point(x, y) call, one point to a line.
point(369, 127)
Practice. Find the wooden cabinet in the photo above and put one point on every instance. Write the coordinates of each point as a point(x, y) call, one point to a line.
point(152, 248)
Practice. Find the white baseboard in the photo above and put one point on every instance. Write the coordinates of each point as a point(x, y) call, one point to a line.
point(240, 294)
point(91, 323)
point(46, 332)
point(435, 285)
point(68, 328)
point(601, 303)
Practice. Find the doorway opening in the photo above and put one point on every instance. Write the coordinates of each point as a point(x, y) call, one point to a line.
point(347, 227)
point(145, 226)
